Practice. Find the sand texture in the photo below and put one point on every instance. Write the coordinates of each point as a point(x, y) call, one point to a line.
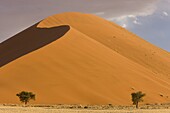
point(46, 110)
point(75, 58)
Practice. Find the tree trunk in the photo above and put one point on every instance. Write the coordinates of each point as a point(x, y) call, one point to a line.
point(26, 103)
point(137, 106)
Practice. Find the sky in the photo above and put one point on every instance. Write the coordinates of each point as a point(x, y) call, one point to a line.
point(149, 19)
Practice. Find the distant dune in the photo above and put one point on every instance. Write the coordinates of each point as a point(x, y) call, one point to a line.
point(75, 58)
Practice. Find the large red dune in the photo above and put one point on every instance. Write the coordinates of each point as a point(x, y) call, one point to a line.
point(76, 58)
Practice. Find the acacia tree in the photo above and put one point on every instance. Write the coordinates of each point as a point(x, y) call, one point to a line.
point(25, 96)
point(137, 97)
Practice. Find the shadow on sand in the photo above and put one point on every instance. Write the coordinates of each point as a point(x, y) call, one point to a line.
point(29, 40)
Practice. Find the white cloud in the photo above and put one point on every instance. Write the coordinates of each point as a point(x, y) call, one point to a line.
point(123, 21)
point(99, 13)
point(124, 25)
point(136, 22)
point(131, 16)
point(134, 19)
point(126, 21)
point(165, 13)
point(118, 18)
point(16, 18)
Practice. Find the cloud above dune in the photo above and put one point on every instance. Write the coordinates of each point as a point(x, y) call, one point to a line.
point(17, 15)
point(115, 8)
point(165, 13)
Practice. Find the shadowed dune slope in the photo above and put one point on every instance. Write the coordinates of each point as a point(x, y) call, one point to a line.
point(94, 62)
point(28, 41)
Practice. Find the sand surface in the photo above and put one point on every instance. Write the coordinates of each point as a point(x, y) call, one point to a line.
point(47, 110)
point(75, 58)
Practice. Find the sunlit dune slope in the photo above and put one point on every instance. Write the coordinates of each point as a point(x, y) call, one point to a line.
point(116, 38)
point(92, 61)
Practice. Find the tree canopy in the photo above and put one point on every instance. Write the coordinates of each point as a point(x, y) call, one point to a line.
point(137, 97)
point(25, 96)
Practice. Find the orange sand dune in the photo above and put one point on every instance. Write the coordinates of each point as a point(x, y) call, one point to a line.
point(89, 61)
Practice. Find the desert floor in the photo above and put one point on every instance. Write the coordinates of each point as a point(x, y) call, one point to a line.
point(8, 109)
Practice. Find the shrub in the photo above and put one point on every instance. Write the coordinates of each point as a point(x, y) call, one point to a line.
point(137, 97)
point(25, 96)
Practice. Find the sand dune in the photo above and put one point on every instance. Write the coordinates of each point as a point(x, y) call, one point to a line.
point(28, 41)
point(74, 58)
point(116, 38)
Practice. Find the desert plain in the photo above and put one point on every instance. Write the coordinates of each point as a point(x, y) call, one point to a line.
point(77, 109)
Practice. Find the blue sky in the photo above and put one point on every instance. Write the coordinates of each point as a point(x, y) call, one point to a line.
point(154, 27)
point(149, 19)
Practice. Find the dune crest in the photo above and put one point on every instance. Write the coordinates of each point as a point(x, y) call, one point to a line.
point(29, 40)
point(116, 38)
point(93, 62)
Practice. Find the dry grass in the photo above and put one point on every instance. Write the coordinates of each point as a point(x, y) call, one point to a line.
point(13, 108)
point(8, 109)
